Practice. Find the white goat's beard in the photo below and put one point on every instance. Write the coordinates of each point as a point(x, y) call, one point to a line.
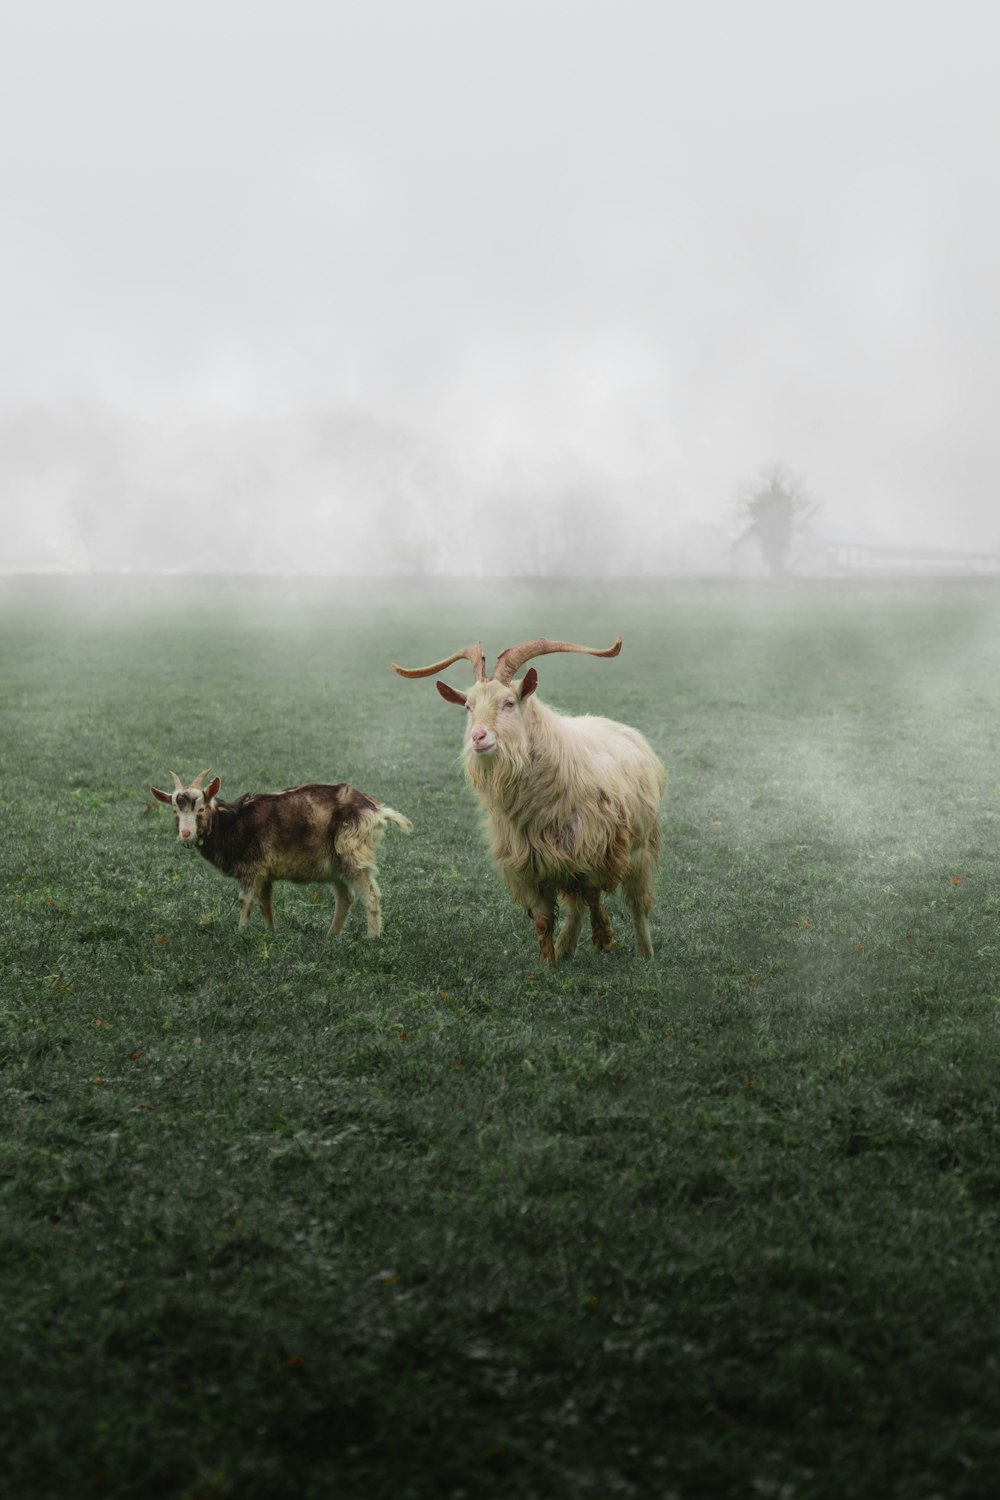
point(481, 760)
point(499, 767)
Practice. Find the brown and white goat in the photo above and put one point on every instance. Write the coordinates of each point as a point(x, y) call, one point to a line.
point(310, 834)
point(572, 804)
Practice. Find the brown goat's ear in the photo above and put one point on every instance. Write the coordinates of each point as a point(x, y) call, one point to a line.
point(161, 796)
point(451, 694)
point(528, 683)
point(212, 789)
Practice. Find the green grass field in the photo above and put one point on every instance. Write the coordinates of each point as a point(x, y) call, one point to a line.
point(285, 1215)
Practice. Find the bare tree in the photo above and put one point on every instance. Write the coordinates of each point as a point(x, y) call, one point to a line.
point(773, 509)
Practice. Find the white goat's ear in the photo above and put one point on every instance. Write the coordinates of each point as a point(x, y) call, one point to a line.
point(161, 796)
point(451, 694)
point(212, 789)
point(528, 683)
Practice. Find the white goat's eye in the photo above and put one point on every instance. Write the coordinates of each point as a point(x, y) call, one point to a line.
point(510, 703)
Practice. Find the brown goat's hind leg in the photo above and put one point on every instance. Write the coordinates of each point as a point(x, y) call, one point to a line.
point(342, 908)
point(366, 887)
point(265, 904)
point(600, 922)
point(545, 921)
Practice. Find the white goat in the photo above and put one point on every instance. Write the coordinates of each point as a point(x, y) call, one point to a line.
point(572, 804)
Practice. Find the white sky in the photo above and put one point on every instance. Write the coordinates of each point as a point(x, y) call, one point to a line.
point(502, 251)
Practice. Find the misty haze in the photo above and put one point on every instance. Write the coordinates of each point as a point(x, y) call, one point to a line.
point(492, 289)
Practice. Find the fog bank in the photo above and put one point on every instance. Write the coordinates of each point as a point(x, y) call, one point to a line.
point(502, 288)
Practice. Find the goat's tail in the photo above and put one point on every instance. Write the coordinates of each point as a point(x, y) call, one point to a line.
point(392, 816)
point(357, 838)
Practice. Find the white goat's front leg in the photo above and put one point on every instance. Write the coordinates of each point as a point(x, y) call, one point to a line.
point(342, 908)
point(569, 934)
point(365, 886)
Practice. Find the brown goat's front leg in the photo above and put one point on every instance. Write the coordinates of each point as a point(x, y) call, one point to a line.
point(246, 901)
point(265, 903)
point(600, 922)
point(544, 914)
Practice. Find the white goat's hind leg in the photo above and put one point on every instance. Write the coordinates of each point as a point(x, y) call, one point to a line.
point(639, 895)
point(365, 886)
point(342, 908)
point(600, 923)
point(569, 935)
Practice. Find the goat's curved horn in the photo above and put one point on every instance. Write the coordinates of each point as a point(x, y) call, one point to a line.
point(196, 783)
point(178, 783)
point(515, 656)
point(474, 654)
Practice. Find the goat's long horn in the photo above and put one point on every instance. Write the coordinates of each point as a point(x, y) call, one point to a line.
point(515, 656)
point(474, 654)
point(196, 783)
point(178, 783)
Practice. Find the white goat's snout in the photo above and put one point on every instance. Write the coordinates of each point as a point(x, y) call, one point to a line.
point(481, 739)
